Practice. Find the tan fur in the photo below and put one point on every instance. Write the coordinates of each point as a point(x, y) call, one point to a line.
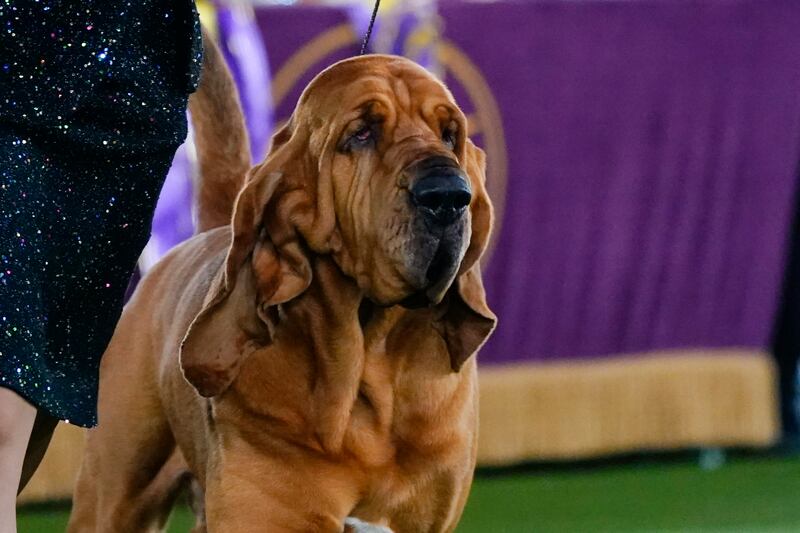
point(220, 138)
point(270, 359)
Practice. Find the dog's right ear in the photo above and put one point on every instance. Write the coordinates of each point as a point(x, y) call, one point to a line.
point(467, 321)
point(266, 265)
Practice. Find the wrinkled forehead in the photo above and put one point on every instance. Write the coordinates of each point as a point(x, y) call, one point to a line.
point(394, 81)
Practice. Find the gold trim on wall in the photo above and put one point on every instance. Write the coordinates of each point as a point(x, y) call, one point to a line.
point(576, 410)
point(656, 401)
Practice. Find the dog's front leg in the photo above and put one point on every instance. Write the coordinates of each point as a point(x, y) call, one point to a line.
point(261, 486)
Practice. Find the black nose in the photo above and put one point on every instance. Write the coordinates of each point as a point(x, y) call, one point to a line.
point(442, 194)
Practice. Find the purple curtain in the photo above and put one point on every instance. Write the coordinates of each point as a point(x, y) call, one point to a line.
point(651, 150)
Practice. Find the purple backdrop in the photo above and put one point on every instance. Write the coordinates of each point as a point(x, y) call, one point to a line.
point(285, 29)
point(652, 153)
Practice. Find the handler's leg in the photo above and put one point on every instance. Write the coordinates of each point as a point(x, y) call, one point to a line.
point(16, 421)
point(42, 433)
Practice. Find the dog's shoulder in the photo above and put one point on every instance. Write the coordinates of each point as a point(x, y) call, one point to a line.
point(179, 281)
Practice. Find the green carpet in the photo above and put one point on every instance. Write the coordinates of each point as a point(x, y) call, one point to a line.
point(745, 495)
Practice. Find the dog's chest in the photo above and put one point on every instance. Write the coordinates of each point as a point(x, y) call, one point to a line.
point(391, 404)
point(411, 415)
point(413, 437)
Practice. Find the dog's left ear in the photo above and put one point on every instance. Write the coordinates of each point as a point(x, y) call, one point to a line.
point(467, 321)
point(265, 266)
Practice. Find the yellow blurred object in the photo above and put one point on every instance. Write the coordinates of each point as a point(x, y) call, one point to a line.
point(386, 5)
point(208, 16)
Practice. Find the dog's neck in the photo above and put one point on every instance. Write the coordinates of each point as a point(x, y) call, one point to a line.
point(344, 331)
point(327, 314)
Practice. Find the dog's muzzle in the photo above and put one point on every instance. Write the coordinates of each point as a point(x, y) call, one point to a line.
point(439, 196)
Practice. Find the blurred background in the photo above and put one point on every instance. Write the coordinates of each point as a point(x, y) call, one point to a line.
point(643, 160)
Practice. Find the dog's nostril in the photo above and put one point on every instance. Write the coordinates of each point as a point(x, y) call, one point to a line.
point(443, 199)
point(442, 193)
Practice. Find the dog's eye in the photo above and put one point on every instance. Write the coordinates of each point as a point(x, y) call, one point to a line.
point(364, 136)
point(449, 138)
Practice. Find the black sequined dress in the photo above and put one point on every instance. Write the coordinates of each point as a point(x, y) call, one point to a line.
point(92, 108)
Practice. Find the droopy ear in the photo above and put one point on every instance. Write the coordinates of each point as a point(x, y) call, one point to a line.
point(480, 208)
point(266, 265)
point(467, 320)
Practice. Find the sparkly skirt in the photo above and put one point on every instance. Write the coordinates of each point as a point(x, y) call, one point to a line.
point(92, 108)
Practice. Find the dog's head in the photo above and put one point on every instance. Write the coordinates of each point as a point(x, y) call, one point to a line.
point(374, 169)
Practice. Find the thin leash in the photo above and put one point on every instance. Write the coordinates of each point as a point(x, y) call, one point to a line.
point(365, 42)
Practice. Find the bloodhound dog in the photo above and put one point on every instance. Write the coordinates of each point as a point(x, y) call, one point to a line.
point(305, 363)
